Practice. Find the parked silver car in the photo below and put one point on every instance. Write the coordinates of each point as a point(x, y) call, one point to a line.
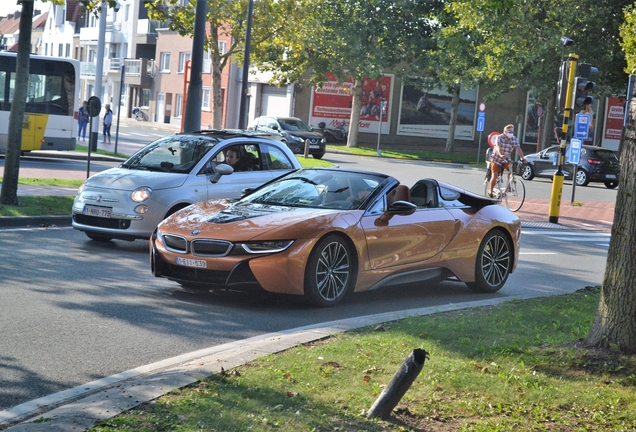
point(129, 201)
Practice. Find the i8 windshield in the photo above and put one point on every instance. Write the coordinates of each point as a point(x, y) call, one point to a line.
point(318, 188)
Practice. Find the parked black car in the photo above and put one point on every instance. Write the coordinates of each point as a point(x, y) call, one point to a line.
point(293, 131)
point(597, 164)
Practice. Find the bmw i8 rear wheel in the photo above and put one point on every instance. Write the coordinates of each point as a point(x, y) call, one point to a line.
point(494, 261)
point(329, 275)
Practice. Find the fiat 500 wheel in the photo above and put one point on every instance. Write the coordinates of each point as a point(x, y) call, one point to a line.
point(493, 264)
point(329, 275)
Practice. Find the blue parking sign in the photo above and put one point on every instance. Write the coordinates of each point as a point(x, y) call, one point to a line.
point(581, 126)
point(481, 122)
point(575, 151)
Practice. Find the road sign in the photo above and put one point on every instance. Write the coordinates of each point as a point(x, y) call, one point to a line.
point(482, 107)
point(581, 126)
point(481, 121)
point(575, 151)
point(492, 138)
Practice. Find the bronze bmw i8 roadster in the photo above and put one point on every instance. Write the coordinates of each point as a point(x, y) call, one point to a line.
point(323, 233)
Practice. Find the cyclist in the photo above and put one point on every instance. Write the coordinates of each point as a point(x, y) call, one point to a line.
point(500, 158)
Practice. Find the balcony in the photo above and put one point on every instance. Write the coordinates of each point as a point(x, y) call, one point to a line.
point(147, 32)
point(111, 65)
point(90, 35)
point(140, 72)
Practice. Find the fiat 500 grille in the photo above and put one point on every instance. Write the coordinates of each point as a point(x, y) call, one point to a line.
point(176, 243)
point(205, 247)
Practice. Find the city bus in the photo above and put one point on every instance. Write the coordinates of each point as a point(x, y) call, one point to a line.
point(50, 117)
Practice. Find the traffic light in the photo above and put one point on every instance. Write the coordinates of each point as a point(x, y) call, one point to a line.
point(583, 85)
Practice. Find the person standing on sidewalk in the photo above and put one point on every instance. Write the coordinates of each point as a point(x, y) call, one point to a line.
point(82, 121)
point(108, 121)
point(501, 152)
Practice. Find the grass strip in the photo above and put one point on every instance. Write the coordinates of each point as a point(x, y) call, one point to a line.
point(515, 366)
point(39, 206)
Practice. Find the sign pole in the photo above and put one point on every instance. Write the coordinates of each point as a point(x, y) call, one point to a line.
point(481, 122)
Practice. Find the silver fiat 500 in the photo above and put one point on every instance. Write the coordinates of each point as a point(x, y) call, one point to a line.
point(129, 201)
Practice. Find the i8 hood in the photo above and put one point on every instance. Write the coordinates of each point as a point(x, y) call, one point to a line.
point(221, 220)
point(129, 179)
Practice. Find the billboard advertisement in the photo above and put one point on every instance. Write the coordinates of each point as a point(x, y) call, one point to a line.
point(332, 102)
point(426, 112)
point(613, 128)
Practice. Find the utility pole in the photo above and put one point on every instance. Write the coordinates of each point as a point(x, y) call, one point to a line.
point(192, 115)
point(99, 72)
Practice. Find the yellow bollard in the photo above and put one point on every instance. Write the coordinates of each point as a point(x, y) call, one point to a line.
point(555, 197)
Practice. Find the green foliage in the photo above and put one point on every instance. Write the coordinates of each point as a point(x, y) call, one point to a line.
point(628, 39)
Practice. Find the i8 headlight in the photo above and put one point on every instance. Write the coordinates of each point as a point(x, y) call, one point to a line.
point(141, 194)
point(263, 247)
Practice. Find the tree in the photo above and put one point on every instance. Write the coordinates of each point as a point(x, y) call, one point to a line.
point(351, 39)
point(614, 325)
point(520, 43)
point(9, 193)
point(227, 19)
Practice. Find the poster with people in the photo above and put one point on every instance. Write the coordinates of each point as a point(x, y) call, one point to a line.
point(332, 103)
point(613, 128)
point(426, 112)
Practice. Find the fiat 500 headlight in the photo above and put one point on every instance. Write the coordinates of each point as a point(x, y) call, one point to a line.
point(263, 247)
point(141, 194)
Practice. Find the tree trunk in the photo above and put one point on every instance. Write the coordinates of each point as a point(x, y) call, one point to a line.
point(547, 124)
point(354, 121)
point(217, 95)
point(615, 323)
point(9, 193)
point(450, 139)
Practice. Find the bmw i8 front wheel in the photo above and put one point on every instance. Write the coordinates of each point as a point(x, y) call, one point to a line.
point(329, 274)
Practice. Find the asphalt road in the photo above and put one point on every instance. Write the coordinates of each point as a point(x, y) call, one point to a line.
point(74, 310)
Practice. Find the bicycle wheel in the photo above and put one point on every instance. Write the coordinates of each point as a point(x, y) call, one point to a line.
point(515, 194)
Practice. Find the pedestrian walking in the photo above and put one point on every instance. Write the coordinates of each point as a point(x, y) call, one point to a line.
point(108, 121)
point(82, 121)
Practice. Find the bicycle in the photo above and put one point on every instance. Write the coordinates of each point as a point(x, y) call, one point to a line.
point(513, 193)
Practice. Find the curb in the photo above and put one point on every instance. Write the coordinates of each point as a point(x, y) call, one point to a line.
point(35, 221)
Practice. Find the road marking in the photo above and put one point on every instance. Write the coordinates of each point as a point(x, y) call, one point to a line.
point(538, 253)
